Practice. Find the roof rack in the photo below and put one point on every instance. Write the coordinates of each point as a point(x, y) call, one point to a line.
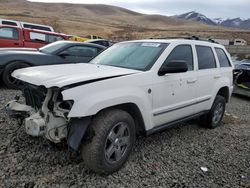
point(197, 38)
point(190, 38)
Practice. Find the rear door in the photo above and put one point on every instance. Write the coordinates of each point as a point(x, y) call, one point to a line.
point(207, 75)
point(10, 37)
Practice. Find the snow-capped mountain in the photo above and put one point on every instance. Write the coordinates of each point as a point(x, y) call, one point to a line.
point(234, 22)
point(195, 16)
point(218, 21)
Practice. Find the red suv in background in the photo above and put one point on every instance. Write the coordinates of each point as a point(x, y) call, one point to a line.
point(12, 36)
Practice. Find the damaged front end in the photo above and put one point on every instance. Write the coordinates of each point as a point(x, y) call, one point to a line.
point(44, 114)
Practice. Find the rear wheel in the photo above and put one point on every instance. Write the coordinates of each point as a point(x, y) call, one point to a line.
point(10, 81)
point(114, 136)
point(213, 118)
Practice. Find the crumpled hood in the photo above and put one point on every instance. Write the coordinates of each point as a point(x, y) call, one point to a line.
point(64, 75)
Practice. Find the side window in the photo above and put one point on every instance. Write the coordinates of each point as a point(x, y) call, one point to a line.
point(9, 23)
point(37, 36)
point(223, 59)
point(82, 51)
point(206, 59)
point(8, 33)
point(36, 27)
point(53, 38)
point(183, 53)
point(44, 37)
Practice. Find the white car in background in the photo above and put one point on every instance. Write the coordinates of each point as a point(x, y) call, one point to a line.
point(132, 87)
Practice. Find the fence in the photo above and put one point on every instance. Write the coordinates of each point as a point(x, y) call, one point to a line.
point(238, 49)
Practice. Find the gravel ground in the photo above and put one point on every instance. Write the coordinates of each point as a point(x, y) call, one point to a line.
point(173, 158)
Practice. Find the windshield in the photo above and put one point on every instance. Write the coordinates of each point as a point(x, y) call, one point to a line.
point(131, 55)
point(53, 47)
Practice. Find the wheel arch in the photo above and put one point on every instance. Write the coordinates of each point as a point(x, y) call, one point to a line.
point(19, 61)
point(134, 111)
point(224, 92)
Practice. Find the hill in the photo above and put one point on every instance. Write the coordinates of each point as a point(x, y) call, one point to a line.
point(110, 21)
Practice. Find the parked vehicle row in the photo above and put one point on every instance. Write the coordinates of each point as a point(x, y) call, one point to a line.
point(17, 34)
point(131, 88)
point(13, 36)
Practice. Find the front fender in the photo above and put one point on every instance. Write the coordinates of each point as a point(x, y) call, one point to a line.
point(88, 104)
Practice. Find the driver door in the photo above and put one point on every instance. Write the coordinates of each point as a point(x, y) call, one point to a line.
point(174, 93)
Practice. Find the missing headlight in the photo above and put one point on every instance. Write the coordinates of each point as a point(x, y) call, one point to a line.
point(66, 105)
point(63, 108)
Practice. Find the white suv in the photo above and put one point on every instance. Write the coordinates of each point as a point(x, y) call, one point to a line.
point(130, 88)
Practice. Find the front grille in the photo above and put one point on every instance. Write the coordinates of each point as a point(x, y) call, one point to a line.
point(34, 95)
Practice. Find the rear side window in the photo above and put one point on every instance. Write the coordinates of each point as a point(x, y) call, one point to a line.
point(41, 37)
point(183, 53)
point(224, 62)
point(206, 59)
point(38, 36)
point(8, 33)
point(53, 38)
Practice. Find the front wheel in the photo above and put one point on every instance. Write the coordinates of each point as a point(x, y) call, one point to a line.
point(213, 118)
point(10, 81)
point(114, 136)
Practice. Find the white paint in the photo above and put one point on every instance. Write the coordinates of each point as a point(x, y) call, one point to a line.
point(188, 88)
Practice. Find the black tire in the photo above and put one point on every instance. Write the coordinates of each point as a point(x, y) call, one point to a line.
point(213, 118)
point(8, 80)
point(94, 151)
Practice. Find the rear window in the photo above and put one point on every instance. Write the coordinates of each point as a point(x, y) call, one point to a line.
point(206, 59)
point(223, 60)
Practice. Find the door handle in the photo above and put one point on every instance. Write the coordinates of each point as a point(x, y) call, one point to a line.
point(16, 43)
point(191, 81)
point(217, 76)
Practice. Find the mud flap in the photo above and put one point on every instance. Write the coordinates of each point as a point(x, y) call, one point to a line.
point(76, 131)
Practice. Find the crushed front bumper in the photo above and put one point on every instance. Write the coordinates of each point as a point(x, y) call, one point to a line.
point(37, 123)
point(17, 110)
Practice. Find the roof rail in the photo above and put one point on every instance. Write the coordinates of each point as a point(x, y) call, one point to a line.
point(189, 38)
point(201, 39)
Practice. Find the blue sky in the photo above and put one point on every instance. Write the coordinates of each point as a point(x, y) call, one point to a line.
point(211, 8)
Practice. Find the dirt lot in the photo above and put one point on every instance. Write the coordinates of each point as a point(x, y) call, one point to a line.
point(174, 158)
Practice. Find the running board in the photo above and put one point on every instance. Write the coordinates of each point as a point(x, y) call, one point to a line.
point(173, 123)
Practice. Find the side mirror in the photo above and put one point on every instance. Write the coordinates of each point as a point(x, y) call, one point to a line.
point(175, 66)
